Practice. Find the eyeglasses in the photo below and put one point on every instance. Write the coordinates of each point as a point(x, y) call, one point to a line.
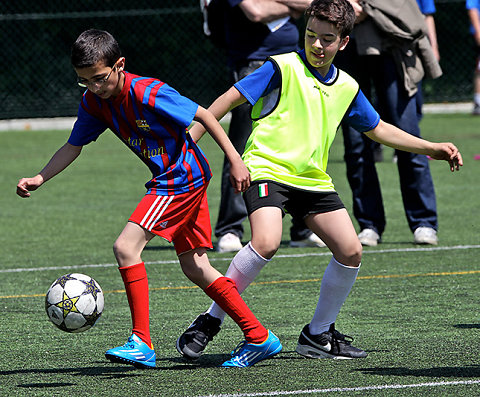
point(97, 83)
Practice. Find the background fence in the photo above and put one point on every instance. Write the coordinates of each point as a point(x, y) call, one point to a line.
point(161, 39)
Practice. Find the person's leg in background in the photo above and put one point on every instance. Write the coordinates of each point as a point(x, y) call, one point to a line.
point(363, 179)
point(232, 212)
point(416, 181)
point(359, 154)
point(476, 85)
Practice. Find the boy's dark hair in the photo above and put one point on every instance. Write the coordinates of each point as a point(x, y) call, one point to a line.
point(93, 46)
point(338, 12)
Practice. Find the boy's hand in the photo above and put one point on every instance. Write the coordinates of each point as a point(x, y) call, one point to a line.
point(26, 185)
point(449, 152)
point(239, 176)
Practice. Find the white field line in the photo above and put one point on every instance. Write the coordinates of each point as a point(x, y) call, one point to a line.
point(349, 389)
point(228, 259)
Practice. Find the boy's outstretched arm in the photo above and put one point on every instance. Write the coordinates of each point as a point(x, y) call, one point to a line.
point(239, 174)
point(59, 161)
point(219, 108)
point(396, 138)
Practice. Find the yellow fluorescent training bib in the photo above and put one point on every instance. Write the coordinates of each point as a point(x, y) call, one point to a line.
point(290, 143)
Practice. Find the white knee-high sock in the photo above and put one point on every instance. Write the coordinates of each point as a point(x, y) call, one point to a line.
point(336, 284)
point(243, 269)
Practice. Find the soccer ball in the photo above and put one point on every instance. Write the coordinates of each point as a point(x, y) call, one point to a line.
point(74, 302)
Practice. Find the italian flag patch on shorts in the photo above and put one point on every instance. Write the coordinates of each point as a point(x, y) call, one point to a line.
point(263, 190)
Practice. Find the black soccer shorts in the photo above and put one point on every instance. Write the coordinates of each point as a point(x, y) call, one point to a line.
point(297, 202)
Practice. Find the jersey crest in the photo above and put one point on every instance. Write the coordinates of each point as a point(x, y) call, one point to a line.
point(143, 125)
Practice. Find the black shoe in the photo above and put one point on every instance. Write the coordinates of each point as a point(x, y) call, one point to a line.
point(194, 340)
point(330, 344)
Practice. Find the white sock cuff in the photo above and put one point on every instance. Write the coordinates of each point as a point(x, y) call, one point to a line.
point(345, 266)
point(248, 260)
point(249, 245)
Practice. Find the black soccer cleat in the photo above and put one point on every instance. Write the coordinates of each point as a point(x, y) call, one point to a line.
point(194, 340)
point(329, 344)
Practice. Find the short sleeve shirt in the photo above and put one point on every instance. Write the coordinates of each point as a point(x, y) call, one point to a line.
point(472, 5)
point(361, 115)
point(426, 6)
point(151, 119)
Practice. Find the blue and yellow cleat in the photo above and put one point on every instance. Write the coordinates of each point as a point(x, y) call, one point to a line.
point(247, 354)
point(135, 352)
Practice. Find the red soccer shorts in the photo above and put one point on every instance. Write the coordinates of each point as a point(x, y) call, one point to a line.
point(183, 219)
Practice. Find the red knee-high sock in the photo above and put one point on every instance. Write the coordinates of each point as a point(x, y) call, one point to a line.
point(136, 285)
point(224, 292)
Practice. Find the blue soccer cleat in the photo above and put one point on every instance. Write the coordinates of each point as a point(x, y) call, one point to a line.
point(247, 354)
point(135, 352)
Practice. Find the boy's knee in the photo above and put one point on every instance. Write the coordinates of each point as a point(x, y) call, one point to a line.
point(265, 248)
point(120, 250)
point(351, 257)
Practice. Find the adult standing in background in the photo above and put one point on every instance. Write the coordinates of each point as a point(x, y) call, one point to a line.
point(473, 7)
point(374, 59)
point(252, 31)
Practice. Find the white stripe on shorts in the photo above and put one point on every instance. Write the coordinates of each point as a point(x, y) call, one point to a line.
point(142, 223)
point(161, 213)
point(150, 218)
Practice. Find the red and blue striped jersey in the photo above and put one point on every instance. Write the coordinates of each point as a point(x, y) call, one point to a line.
point(151, 118)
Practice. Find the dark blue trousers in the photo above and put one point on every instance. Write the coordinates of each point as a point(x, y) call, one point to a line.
point(380, 82)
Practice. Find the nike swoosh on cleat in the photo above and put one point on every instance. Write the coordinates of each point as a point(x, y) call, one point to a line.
point(327, 347)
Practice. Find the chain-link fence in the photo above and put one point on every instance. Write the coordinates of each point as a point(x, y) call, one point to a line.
point(162, 39)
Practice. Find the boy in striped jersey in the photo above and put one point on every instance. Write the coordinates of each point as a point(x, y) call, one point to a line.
point(151, 119)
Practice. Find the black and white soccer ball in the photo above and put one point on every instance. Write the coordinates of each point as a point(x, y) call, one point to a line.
point(74, 302)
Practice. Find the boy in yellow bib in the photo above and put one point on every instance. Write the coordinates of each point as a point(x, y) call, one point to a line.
point(299, 100)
